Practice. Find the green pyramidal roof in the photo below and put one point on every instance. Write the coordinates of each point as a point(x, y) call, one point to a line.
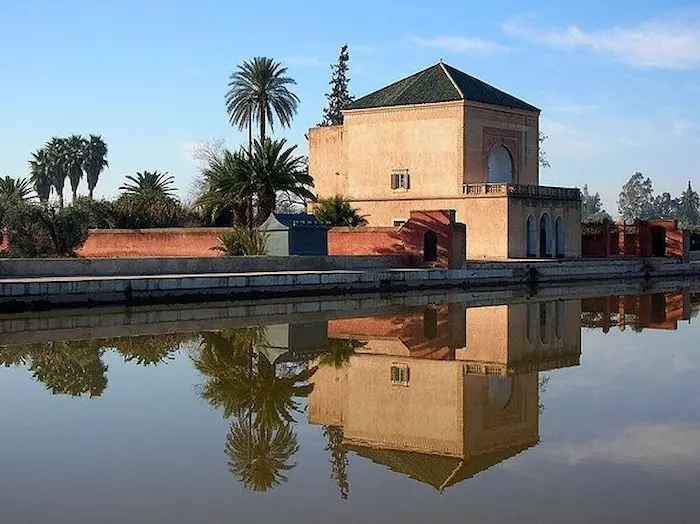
point(439, 83)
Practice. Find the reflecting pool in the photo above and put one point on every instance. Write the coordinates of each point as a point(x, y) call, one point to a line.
point(557, 407)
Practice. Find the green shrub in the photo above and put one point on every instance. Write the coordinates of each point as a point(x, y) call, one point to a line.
point(243, 241)
point(148, 209)
point(34, 231)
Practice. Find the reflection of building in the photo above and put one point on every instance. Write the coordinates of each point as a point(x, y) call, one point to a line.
point(299, 341)
point(657, 311)
point(425, 400)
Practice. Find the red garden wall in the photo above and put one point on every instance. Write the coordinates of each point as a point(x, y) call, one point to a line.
point(173, 242)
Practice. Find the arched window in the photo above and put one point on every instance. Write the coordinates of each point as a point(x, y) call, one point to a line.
point(559, 236)
point(500, 166)
point(545, 236)
point(531, 237)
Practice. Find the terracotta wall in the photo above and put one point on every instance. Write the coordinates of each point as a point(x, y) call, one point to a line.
point(635, 239)
point(173, 242)
point(407, 239)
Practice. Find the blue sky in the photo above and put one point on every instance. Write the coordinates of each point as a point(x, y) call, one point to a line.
point(618, 82)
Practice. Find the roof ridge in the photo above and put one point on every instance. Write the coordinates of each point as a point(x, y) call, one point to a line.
point(447, 73)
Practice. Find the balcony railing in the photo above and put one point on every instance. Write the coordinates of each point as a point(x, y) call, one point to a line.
point(521, 191)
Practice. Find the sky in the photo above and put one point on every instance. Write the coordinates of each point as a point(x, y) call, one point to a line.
point(618, 81)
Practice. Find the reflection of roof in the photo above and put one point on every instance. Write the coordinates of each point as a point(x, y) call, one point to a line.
point(439, 83)
point(438, 471)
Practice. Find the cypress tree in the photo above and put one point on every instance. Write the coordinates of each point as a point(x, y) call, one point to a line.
point(339, 95)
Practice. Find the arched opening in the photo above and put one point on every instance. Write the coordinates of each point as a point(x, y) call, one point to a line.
point(545, 236)
point(430, 250)
point(531, 237)
point(500, 166)
point(559, 236)
point(658, 241)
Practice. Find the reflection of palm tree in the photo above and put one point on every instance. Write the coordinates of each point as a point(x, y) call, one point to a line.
point(148, 350)
point(339, 458)
point(247, 386)
point(11, 356)
point(70, 368)
point(339, 351)
point(257, 455)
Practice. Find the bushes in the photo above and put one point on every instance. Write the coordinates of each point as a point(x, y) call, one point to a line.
point(34, 231)
point(243, 241)
point(148, 209)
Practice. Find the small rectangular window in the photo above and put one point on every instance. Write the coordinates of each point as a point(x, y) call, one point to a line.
point(398, 223)
point(400, 374)
point(400, 179)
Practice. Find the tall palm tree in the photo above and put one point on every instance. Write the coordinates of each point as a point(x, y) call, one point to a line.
point(15, 189)
point(95, 161)
point(258, 93)
point(57, 166)
point(151, 181)
point(39, 175)
point(75, 149)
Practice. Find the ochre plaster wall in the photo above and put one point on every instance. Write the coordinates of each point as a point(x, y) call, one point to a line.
point(483, 124)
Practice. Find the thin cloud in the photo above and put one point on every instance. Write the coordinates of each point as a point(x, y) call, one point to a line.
point(671, 43)
point(654, 446)
point(459, 44)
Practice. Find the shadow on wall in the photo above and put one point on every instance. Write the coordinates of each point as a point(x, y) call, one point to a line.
point(430, 237)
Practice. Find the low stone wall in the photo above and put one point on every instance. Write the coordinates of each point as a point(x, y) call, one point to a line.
point(23, 293)
point(166, 242)
point(154, 266)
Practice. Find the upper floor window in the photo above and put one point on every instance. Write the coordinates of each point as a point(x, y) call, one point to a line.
point(401, 179)
point(400, 375)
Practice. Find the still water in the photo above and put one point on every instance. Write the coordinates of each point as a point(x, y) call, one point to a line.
point(528, 410)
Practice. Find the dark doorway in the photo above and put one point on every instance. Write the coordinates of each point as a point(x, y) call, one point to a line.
point(430, 323)
point(658, 241)
point(658, 308)
point(430, 250)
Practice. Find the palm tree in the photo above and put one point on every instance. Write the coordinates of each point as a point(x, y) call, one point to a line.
point(337, 211)
point(338, 352)
point(75, 149)
point(258, 93)
point(277, 168)
point(228, 188)
point(95, 161)
point(15, 189)
point(57, 166)
point(39, 175)
point(242, 179)
point(147, 181)
point(257, 456)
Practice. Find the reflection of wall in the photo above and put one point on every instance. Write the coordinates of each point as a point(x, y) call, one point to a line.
point(646, 311)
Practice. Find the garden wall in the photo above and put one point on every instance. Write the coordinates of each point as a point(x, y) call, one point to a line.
point(171, 242)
